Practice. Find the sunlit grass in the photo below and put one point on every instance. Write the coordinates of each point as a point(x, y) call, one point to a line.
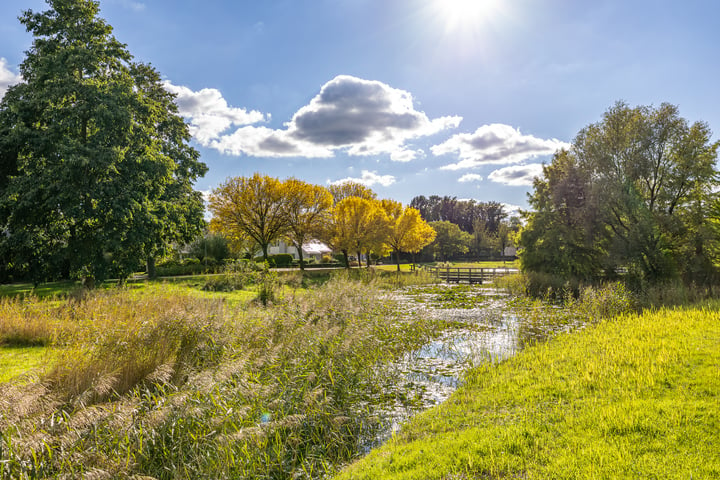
point(633, 397)
point(17, 361)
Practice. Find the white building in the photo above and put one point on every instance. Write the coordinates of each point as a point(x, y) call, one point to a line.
point(312, 249)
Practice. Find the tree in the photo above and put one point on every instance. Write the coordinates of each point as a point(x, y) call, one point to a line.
point(450, 241)
point(308, 209)
point(634, 191)
point(356, 224)
point(407, 232)
point(96, 171)
point(563, 238)
point(210, 246)
point(351, 189)
point(250, 207)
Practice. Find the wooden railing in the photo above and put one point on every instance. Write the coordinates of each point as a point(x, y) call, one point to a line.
point(469, 274)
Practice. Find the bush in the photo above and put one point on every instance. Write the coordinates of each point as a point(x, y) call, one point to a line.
point(235, 276)
point(282, 260)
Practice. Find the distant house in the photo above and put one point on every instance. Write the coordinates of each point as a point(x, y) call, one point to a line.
point(312, 249)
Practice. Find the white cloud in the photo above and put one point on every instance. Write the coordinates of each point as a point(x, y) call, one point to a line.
point(406, 155)
point(357, 116)
point(517, 174)
point(512, 209)
point(495, 144)
point(209, 113)
point(470, 177)
point(7, 77)
point(368, 179)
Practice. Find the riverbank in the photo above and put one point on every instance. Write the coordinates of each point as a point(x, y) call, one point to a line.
point(633, 397)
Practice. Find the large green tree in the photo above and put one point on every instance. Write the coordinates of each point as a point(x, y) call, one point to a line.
point(634, 191)
point(96, 172)
point(450, 241)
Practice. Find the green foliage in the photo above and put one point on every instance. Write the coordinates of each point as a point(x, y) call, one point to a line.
point(211, 247)
point(449, 242)
point(235, 276)
point(97, 173)
point(634, 194)
point(283, 260)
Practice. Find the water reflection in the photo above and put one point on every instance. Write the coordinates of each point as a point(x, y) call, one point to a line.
point(483, 329)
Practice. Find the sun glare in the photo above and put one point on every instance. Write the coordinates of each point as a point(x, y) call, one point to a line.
point(463, 14)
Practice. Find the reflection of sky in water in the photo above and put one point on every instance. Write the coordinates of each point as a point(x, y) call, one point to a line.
point(432, 373)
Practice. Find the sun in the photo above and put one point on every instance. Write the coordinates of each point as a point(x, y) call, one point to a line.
point(464, 14)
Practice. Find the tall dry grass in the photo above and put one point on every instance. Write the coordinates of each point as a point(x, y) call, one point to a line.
point(180, 387)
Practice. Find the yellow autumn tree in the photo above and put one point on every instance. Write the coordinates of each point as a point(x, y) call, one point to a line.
point(307, 208)
point(250, 207)
point(355, 224)
point(344, 190)
point(407, 232)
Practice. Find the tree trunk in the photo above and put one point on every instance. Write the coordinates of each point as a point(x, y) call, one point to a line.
point(397, 259)
point(359, 259)
point(300, 256)
point(347, 260)
point(151, 270)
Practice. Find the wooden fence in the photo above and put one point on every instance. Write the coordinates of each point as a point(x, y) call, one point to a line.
point(468, 274)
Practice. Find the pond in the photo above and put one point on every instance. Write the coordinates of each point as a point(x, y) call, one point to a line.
point(483, 325)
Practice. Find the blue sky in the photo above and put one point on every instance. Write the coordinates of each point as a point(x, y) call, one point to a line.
point(447, 97)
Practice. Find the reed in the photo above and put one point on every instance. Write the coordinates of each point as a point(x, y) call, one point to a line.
point(173, 386)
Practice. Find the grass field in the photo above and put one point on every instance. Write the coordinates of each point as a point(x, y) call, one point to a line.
point(633, 397)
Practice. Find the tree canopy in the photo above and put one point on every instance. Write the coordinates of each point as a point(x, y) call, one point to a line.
point(407, 231)
point(96, 171)
point(633, 192)
point(250, 207)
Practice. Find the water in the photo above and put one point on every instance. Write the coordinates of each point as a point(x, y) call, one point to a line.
point(483, 329)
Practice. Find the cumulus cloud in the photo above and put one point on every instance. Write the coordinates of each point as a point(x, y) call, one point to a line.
point(209, 113)
point(368, 179)
point(470, 177)
point(495, 144)
point(357, 116)
point(517, 175)
point(7, 77)
point(406, 155)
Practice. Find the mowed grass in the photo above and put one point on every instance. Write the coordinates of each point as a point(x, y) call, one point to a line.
point(637, 396)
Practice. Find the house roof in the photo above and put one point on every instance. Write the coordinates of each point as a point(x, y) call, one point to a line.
point(315, 248)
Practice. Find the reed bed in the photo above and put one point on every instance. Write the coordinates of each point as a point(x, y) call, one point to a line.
point(179, 386)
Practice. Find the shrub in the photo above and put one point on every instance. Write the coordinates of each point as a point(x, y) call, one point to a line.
point(281, 260)
point(235, 276)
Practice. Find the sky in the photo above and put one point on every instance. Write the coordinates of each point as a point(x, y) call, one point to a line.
point(466, 98)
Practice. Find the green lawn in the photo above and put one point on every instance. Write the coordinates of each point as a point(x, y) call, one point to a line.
point(633, 397)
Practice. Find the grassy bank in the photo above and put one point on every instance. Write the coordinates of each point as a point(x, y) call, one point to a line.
point(633, 397)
